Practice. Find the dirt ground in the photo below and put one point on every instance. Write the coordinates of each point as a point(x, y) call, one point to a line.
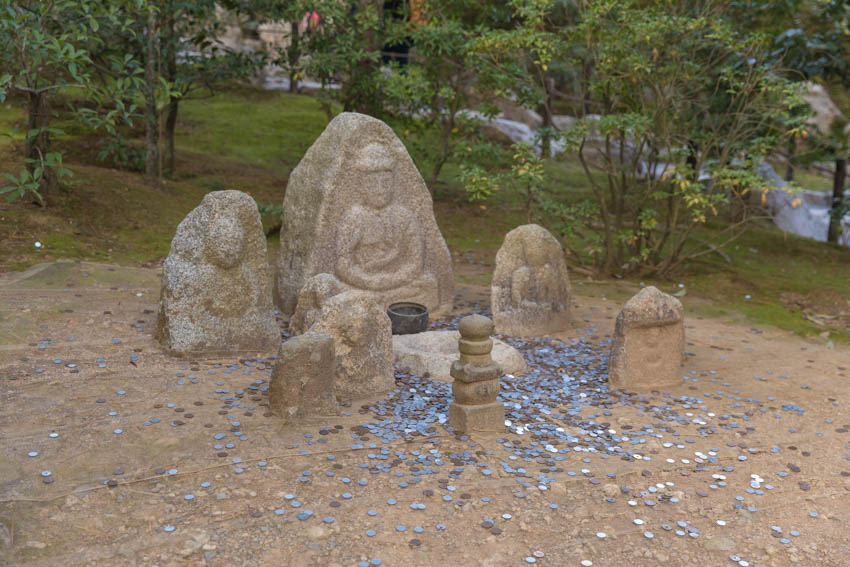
point(747, 462)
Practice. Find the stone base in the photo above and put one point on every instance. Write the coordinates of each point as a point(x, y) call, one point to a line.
point(485, 417)
point(430, 354)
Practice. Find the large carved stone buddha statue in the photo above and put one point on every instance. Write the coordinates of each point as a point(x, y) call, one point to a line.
point(357, 209)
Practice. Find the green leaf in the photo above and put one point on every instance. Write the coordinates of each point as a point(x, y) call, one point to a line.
point(38, 195)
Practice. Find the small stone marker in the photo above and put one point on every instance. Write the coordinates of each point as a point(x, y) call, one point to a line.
point(302, 382)
point(362, 342)
point(312, 296)
point(357, 208)
point(476, 380)
point(215, 283)
point(530, 294)
point(648, 343)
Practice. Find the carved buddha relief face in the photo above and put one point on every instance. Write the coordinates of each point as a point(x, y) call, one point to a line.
point(535, 255)
point(380, 189)
point(375, 163)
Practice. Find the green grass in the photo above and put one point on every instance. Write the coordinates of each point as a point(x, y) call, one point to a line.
point(765, 264)
point(813, 180)
point(11, 115)
point(240, 139)
point(252, 127)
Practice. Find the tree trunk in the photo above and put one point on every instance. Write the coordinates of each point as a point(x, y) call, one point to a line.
point(324, 102)
point(171, 46)
point(691, 160)
point(789, 165)
point(38, 146)
point(546, 113)
point(170, 127)
point(586, 72)
point(151, 114)
point(293, 56)
point(365, 99)
point(837, 199)
point(445, 138)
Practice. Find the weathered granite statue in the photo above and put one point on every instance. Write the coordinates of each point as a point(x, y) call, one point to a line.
point(476, 380)
point(312, 296)
point(530, 294)
point(361, 331)
point(649, 342)
point(215, 286)
point(302, 382)
point(357, 208)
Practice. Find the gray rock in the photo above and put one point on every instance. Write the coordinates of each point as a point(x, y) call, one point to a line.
point(302, 382)
point(312, 296)
point(215, 285)
point(430, 354)
point(825, 113)
point(501, 129)
point(563, 122)
point(804, 212)
point(530, 293)
point(363, 345)
point(510, 110)
point(357, 208)
point(649, 342)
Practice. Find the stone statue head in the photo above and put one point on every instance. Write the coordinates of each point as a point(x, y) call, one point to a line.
point(536, 254)
point(375, 165)
point(224, 241)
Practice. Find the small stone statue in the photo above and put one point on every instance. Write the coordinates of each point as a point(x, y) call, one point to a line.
point(649, 342)
point(363, 345)
point(476, 380)
point(530, 293)
point(215, 282)
point(312, 296)
point(302, 382)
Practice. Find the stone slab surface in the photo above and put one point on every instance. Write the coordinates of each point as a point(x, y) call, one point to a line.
point(430, 354)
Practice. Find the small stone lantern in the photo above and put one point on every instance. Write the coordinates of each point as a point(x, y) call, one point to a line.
point(476, 380)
